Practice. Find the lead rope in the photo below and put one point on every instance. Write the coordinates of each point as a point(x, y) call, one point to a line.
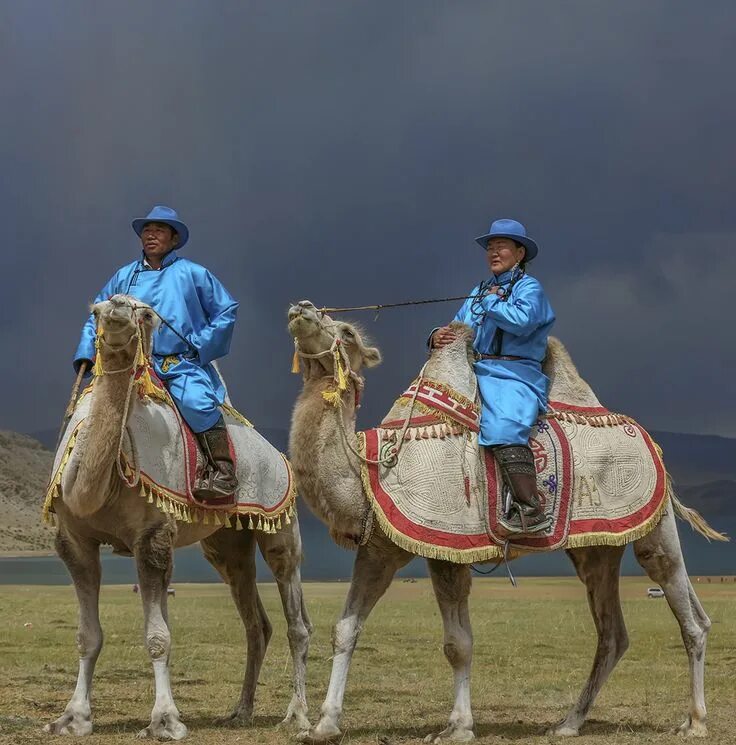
point(392, 459)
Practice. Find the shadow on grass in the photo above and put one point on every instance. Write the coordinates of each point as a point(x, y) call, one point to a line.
point(516, 730)
point(199, 723)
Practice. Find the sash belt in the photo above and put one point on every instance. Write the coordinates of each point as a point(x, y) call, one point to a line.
point(510, 358)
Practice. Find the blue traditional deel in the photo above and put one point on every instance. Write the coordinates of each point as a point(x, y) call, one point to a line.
point(512, 229)
point(164, 214)
point(512, 391)
point(194, 301)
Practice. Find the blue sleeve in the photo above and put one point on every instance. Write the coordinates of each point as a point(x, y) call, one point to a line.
point(86, 349)
point(527, 310)
point(213, 341)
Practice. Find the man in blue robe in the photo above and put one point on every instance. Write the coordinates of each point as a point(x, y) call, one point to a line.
point(202, 316)
point(512, 319)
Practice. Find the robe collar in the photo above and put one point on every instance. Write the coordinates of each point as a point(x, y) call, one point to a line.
point(169, 259)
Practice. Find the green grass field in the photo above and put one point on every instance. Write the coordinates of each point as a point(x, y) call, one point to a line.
point(400, 686)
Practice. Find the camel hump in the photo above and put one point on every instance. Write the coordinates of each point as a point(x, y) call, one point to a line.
point(566, 385)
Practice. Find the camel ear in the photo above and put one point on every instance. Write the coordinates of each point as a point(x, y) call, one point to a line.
point(371, 357)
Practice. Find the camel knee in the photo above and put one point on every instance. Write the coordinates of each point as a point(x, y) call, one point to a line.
point(89, 642)
point(158, 643)
point(344, 635)
point(298, 635)
point(458, 650)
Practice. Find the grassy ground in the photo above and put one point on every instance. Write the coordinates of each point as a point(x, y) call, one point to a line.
point(533, 649)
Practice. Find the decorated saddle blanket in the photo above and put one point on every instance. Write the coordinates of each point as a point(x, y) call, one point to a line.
point(160, 457)
point(599, 476)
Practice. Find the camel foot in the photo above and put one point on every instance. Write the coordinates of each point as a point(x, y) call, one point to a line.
point(237, 718)
point(71, 722)
point(692, 728)
point(165, 726)
point(453, 733)
point(296, 716)
point(563, 730)
point(323, 731)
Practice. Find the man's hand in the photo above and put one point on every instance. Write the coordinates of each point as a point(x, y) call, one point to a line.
point(442, 337)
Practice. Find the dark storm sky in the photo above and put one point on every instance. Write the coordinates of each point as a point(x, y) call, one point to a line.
point(348, 152)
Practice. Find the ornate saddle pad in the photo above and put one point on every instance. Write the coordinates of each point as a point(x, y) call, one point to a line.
point(161, 458)
point(599, 475)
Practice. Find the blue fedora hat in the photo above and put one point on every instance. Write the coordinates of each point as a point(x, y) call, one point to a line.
point(510, 229)
point(161, 213)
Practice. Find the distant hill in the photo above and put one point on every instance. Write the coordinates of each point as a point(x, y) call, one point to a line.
point(704, 469)
point(25, 466)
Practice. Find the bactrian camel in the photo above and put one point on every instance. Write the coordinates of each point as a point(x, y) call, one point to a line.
point(97, 509)
point(329, 478)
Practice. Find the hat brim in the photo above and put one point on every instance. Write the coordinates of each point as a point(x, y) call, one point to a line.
point(181, 229)
point(531, 247)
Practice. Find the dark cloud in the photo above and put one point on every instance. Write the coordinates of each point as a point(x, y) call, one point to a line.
point(349, 152)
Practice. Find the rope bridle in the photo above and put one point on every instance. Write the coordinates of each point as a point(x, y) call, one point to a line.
point(340, 377)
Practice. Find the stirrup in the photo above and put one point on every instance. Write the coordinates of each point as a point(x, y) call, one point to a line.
point(523, 526)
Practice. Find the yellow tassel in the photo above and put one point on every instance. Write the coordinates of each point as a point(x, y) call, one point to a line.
point(340, 378)
point(260, 523)
point(142, 492)
point(195, 516)
point(250, 523)
point(227, 522)
point(295, 367)
point(278, 523)
point(97, 369)
point(150, 496)
point(159, 503)
point(238, 523)
point(288, 519)
point(206, 518)
point(332, 397)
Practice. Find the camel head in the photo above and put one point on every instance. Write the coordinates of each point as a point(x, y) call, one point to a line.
point(120, 320)
point(317, 334)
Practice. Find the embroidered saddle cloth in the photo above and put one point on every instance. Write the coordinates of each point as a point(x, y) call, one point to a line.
point(161, 459)
point(599, 475)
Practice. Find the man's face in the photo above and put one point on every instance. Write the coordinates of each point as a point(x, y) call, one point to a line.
point(158, 239)
point(502, 254)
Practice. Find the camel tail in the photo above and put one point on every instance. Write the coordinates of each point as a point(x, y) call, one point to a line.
point(695, 520)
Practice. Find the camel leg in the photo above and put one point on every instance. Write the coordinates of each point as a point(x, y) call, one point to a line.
point(660, 555)
point(232, 553)
point(374, 568)
point(451, 584)
point(598, 567)
point(283, 553)
point(82, 559)
point(154, 560)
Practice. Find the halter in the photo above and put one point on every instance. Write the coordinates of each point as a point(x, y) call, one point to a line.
point(340, 375)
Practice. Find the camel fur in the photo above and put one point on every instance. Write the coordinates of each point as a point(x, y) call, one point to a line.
point(97, 509)
point(327, 471)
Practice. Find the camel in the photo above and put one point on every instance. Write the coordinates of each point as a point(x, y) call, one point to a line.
point(98, 509)
point(328, 474)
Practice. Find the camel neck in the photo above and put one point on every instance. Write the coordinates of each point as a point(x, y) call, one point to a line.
point(327, 472)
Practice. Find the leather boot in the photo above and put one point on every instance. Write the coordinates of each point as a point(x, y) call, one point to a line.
point(525, 515)
point(218, 482)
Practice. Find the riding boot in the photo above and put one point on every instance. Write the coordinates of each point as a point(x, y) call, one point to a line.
point(217, 480)
point(525, 514)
